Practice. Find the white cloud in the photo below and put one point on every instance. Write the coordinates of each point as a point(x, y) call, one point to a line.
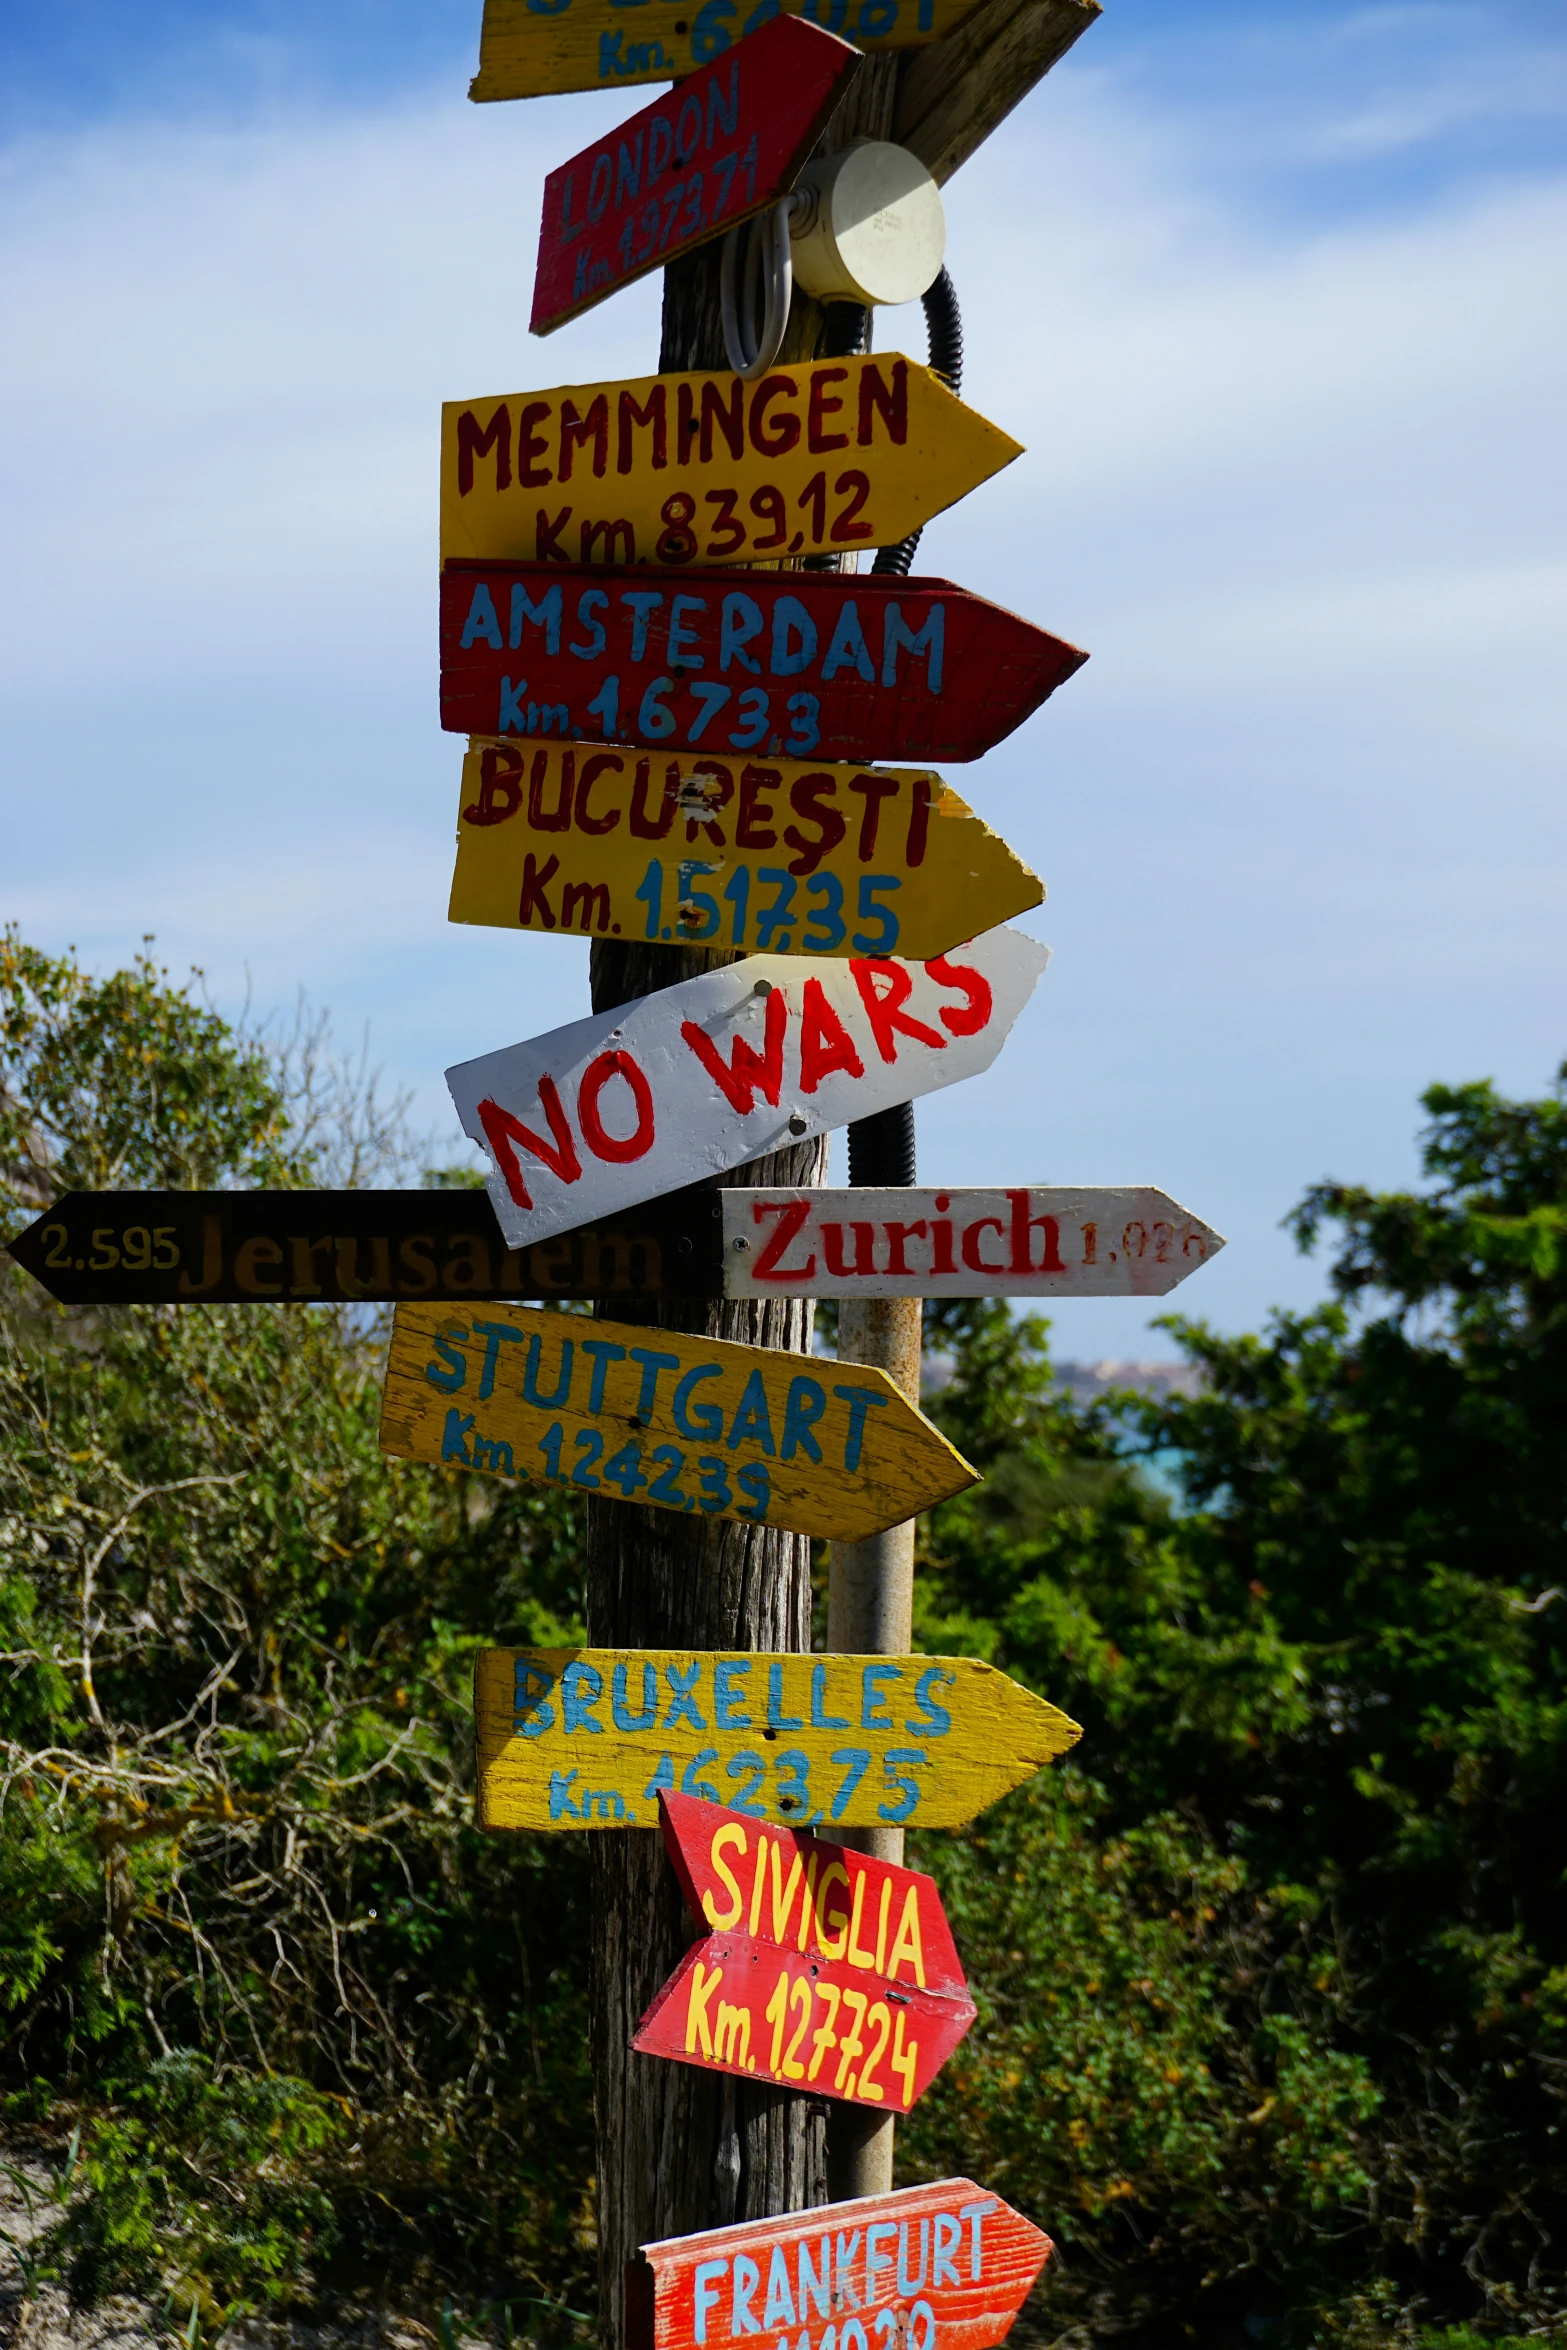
point(1296, 487)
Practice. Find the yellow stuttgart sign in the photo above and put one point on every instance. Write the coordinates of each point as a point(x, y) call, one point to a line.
point(680, 469)
point(773, 856)
point(656, 1417)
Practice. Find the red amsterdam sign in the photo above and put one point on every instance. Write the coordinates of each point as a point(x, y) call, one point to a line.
point(724, 144)
point(786, 665)
point(823, 1969)
point(944, 2267)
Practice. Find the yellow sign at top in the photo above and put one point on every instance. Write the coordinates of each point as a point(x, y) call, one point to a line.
point(535, 48)
point(675, 470)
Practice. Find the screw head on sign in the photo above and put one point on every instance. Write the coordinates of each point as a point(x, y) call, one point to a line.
point(798, 1122)
point(740, 1246)
point(763, 987)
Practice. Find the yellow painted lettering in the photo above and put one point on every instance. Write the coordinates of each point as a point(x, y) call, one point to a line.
point(833, 1949)
point(731, 1833)
point(908, 1945)
point(703, 1985)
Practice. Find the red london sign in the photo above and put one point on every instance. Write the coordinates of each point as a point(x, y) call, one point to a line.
point(725, 143)
point(796, 665)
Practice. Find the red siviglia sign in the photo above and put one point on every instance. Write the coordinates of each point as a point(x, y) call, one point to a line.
point(822, 1969)
point(940, 2267)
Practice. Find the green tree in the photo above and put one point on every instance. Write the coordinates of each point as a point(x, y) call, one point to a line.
point(1329, 1690)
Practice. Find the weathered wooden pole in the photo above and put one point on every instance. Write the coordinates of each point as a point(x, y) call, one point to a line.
point(679, 2148)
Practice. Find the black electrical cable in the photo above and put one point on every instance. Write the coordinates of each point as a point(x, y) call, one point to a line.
point(881, 1149)
point(944, 327)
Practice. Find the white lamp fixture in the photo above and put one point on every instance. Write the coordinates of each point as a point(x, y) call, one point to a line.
point(867, 225)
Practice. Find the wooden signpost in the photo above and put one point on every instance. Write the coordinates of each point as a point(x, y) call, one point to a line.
point(613, 1110)
point(1045, 1241)
point(120, 1248)
point(939, 2267)
point(672, 470)
point(732, 852)
point(656, 1417)
point(528, 50)
point(822, 1969)
point(591, 1737)
point(793, 665)
point(725, 145)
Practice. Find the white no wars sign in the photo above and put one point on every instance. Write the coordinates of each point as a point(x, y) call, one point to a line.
point(613, 1110)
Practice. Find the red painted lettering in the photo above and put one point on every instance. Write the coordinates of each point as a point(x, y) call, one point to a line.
point(531, 444)
point(558, 818)
point(576, 431)
point(746, 1072)
point(595, 1134)
point(500, 786)
point(730, 420)
point(546, 535)
point(872, 789)
point(655, 414)
point(755, 813)
point(864, 1249)
point(887, 1018)
point(532, 900)
point(817, 436)
point(897, 1234)
point(969, 983)
point(970, 1244)
point(471, 443)
point(806, 794)
point(639, 822)
point(891, 405)
point(601, 763)
point(781, 432)
point(793, 1216)
point(825, 1044)
point(1023, 1226)
point(502, 1131)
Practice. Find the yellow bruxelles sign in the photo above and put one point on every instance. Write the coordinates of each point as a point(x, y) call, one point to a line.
point(653, 1416)
point(587, 1737)
point(769, 856)
point(677, 470)
point(537, 48)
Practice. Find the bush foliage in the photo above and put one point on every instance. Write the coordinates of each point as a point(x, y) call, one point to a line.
point(1272, 1975)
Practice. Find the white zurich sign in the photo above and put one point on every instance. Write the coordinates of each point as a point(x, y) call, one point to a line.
point(1030, 1241)
point(610, 1111)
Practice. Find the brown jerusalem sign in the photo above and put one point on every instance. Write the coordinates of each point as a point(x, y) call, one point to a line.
point(110, 1248)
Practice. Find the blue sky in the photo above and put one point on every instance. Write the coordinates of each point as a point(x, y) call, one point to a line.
point(1272, 296)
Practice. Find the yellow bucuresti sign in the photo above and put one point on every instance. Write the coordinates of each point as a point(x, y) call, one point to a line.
point(775, 856)
point(689, 1424)
point(534, 48)
point(586, 1737)
point(674, 470)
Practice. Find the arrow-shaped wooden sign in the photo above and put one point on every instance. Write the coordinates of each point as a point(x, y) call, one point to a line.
point(822, 1969)
point(1041, 1241)
point(657, 1417)
point(774, 856)
point(672, 470)
point(591, 1737)
point(528, 50)
point(939, 2267)
point(120, 1248)
point(615, 1109)
point(726, 144)
point(794, 665)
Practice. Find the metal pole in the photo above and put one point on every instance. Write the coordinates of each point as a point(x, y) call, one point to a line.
point(870, 1588)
